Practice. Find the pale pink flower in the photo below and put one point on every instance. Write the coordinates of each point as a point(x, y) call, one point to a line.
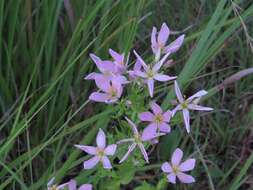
point(159, 40)
point(109, 72)
point(188, 104)
point(111, 92)
point(137, 141)
point(151, 74)
point(159, 120)
point(100, 153)
point(176, 168)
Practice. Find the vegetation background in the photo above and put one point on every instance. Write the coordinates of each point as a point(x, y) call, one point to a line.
point(44, 55)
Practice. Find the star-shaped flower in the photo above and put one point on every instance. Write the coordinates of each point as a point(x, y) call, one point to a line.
point(137, 140)
point(100, 153)
point(158, 120)
point(159, 40)
point(188, 104)
point(151, 74)
point(177, 169)
point(112, 91)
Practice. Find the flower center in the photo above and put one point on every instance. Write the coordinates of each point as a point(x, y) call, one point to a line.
point(158, 118)
point(137, 139)
point(100, 152)
point(184, 105)
point(112, 92)
point(175, 169)
point(150, 73)
point(54, 187)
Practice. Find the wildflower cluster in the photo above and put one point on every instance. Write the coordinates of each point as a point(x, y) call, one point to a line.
point(112, 79)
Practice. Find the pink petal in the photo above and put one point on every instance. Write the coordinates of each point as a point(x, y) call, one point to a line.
point(106, 162)
point(177, 157)
point(98, 97)
point(178, 92)
point(163, 78)
point(134, 127)
point(146, 116)
point(156, 108)
point(118, 87)
point(96, 60)
point(149, 132)
point(85, 187)
point(137, 65)
point(120, 79)
point(184, 178)
point(151, 87)
point(186, 116)
point(167, 116)
point(91, 163)
point(108, 66)
point(197, 95)
point(175, 45)
point(116, 56)
point(140, 74)
point(91, 76)
point(171, 178)
point(103, 82)
point(200, 108)
point(187, 165)
point(164, 127)
point(72, 185)
point(62, 186)
point(101, 141)
point(163, 34)
point(166, 168)
point(88, 149)
point(110, 149)
point(144, 153)
point(160, 63)
point(141, 60)
point(177, 108)
point(130, 149)
point(154, 44)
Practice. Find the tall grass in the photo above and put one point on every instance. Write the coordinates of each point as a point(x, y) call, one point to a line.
point(44, 48)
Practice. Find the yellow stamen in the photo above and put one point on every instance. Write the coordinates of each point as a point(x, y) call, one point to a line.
point(158, 118)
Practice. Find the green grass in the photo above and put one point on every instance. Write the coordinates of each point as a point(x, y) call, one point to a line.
point(44, 55)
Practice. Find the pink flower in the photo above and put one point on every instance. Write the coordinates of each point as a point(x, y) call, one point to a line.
point(112, 91)
point(99, 153)
point(158, 120)
point(159, 40)
point(151, 74)
point(188, 104)
point(121, 66)
point(108, 69)
point(177, 169)
point(137, 141)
